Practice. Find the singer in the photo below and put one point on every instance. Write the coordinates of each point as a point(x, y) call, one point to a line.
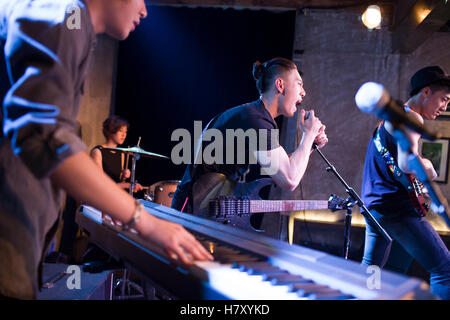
point(386, 195)
point(280, 86)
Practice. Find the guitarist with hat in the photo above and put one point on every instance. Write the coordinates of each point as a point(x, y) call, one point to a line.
point(393, 202)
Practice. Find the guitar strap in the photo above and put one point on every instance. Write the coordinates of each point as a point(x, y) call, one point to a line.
point(194, 171)
point(398, 173)
point(198, 144)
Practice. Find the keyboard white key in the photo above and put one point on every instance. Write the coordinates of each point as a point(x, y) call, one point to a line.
point(237, 284)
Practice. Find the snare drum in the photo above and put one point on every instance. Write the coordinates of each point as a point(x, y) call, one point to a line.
point(162, 192)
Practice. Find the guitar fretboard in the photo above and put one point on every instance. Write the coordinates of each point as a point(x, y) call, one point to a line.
point(257, 206)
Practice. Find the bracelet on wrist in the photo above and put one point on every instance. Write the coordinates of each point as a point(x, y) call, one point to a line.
point(136, 216)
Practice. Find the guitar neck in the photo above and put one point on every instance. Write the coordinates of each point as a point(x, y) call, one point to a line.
point(258, 206)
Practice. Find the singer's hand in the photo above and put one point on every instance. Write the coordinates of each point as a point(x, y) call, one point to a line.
point(321, 139)
point(309, 123)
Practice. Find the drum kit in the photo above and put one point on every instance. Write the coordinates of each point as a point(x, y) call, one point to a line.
point(160, 192)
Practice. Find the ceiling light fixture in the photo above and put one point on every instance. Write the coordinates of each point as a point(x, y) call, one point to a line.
point(372, 17)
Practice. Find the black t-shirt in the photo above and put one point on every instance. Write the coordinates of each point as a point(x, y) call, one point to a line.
point(111, 162)
point(244, 129)
point(379, 186)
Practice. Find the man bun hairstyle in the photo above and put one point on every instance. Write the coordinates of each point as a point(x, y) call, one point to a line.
point(265, 73)
point(258, 70)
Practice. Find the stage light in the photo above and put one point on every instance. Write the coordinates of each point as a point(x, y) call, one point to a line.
point(421, 13)
point(372, 17)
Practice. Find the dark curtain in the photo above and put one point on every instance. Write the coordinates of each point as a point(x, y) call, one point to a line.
point(186, 64)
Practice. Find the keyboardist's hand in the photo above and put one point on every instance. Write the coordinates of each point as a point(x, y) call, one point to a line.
point(173, 238)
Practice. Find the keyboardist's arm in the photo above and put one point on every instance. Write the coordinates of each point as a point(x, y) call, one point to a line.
point(80, 177)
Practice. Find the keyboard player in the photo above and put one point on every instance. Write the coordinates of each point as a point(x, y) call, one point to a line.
point(47, 56)
point(246, 266)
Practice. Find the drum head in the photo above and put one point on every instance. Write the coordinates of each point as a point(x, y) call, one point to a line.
point(162, 192)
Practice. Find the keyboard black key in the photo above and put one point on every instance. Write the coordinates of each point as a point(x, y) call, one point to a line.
point(243, 266)
point(330, 295)
point(287, 279)
point(235, 258)
point(265, 270)
point(303, 289)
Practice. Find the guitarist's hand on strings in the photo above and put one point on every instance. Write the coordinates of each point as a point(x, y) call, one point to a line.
point(428, 166)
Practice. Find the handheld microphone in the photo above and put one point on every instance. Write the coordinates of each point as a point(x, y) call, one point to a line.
point(373, 98)
point(307, 115)
point(314, 145)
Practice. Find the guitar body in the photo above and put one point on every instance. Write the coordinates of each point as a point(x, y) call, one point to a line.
point(418, 196)
point(215, 185)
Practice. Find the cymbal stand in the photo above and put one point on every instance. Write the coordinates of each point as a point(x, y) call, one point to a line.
point(136, 157)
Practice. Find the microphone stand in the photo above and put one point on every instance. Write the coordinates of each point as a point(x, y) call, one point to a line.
point(439, 202)
point(348, 222)
point(351, 201)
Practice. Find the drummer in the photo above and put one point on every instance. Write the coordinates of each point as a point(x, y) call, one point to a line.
point(113, 162)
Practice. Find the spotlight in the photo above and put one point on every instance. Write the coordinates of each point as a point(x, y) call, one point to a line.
point(421, 13)
point(372, 17)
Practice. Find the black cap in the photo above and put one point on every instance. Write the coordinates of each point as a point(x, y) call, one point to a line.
point(426, 76)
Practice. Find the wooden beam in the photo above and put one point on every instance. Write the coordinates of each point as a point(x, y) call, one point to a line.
point(262, 4)
point(423, 18)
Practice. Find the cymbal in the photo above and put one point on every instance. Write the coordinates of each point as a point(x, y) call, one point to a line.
point(139, 151)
